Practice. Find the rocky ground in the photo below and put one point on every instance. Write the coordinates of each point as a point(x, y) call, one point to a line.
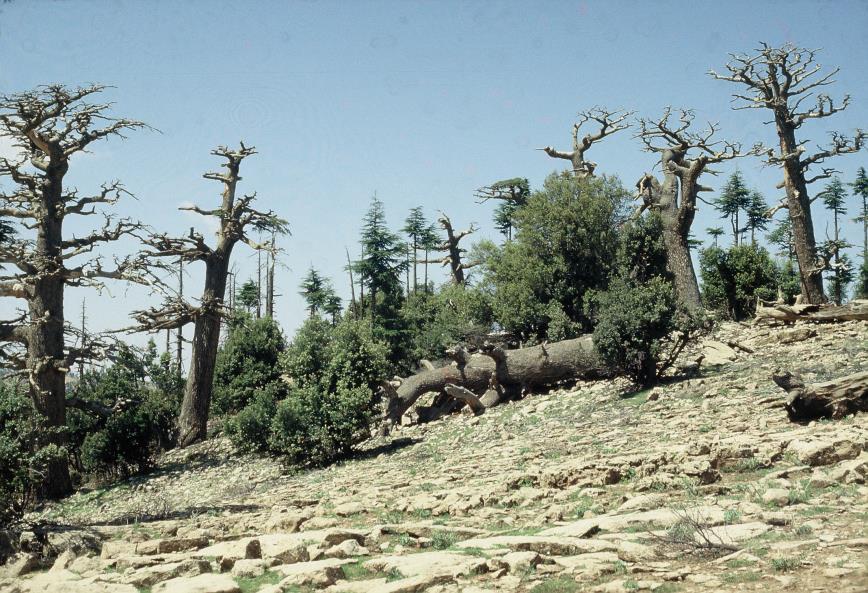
point(701, 484)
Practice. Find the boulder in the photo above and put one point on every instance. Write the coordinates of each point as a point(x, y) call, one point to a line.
point(203, 583)
point(816, 452)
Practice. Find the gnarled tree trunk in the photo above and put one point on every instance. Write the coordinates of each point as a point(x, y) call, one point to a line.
point(508, 371)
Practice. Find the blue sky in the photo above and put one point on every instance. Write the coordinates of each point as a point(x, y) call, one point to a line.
point(422, 102)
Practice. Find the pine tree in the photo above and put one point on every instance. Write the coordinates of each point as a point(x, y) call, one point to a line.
point(860, 188)
point(834, 196)
point(380, 268)
point(714, 233)
point(415, 226)
point(248, 296)
point(314, 291)
point(755, 215)
point(382, 260)
point(734, 198)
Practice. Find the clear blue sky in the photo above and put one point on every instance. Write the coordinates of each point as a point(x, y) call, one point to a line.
point(422, 102)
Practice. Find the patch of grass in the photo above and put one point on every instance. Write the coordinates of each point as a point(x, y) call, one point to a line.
point(706, 428)
point(253, 584)
point(441, 540)
point(749, 576)
point(628, 475)
point(745, 464)
point(731, 516)
point(786, 563)
point(357, 572)
point(739, 563)
point(557, 585)
point(816, 511)
point(803, 530)
point(635, 399)
point(391, 517)
point(631, 585)
point(800, 494)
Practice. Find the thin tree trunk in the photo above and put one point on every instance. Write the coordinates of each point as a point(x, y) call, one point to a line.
point(179, 344)
point(352, 284)
point(269, 298)
point(415, 264)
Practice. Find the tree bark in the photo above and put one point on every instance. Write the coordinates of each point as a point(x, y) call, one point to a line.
point(799, 207)
point(511, 370)
point(45, 341)
point(193, 419)
point(832, 399)
point(853, 311)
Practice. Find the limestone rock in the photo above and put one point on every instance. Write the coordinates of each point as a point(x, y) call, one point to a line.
point(204, 583)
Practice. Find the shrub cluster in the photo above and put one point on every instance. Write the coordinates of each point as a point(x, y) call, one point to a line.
point(326, 403)
point(144, 393)
point(733, 279)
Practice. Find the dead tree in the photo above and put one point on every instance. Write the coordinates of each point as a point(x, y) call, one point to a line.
point(780, 312)
point(833, 399)
point(684, 157)
point(506, 373)
point(609, 122)
point(236, 217)
point(781, 79)
point(48, 126)
point(512, 194)
point(453, 252)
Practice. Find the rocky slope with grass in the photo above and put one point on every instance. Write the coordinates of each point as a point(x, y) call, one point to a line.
point(701, 484)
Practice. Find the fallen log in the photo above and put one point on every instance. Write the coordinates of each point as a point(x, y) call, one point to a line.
point(509, 372)
point(831, 399)
point(853, 311)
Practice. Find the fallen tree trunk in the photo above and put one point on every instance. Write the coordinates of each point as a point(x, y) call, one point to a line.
point(832, 399)
point(853, 311)
point(509, 372)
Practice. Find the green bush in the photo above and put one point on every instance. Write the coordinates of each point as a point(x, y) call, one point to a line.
point(248, 361)
point(335, 372)
point(451, 315)
point(313, 426)
point(733, 279)
point(632, 323)
point(142, 422)
point(565, 245)
point(23, 460)
point(249, 428)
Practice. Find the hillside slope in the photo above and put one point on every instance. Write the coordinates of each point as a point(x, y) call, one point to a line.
point(698, 485)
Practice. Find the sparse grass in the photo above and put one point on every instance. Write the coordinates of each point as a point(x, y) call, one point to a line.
point(749, 576)
point(800, 494)
point(253, 584)
point(739, 563)
point(745, 464)
point(803, 530)
point(557, 585)
point(731, 516)
point(816, 511)
point(635, 399)
point(441, 540)
point(786, 563)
